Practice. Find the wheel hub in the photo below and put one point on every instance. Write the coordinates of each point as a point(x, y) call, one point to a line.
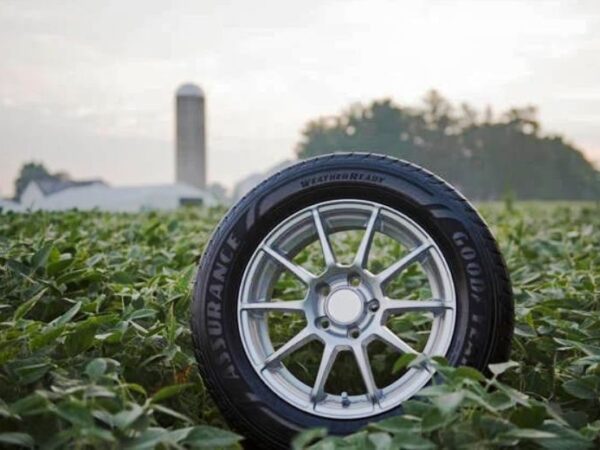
point(344, 306)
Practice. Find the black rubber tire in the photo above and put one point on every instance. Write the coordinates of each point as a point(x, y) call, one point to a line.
point(484, 322)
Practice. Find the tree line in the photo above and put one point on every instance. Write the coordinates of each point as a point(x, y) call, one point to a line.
point(486, 156)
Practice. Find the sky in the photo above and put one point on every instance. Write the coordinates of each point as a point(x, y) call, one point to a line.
point(87, 86)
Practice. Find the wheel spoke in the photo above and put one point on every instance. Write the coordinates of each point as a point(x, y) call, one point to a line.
point(386, 335)
point(289, 306)
point(415, 255)
point(402, 306)
point(329, 355)
point(331, 321)
point(362, 253)
point(299, 340)
point(328, 255)
point(362, 360)
point(303, 275)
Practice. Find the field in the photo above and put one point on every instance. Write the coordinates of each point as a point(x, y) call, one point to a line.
point(95, 347)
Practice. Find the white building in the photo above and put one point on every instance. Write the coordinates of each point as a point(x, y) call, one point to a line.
point(246, 184)
point(36, 192)
point(7, 205)
point(87, 196)
point(54, 194)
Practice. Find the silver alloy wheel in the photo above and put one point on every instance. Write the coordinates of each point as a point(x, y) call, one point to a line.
point(345, 306)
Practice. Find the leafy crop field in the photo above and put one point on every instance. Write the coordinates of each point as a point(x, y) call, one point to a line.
point(95, 348)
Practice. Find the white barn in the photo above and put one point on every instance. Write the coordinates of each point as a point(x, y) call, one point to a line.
point(36, 192)
point(7, 205)
point(127, 199)
point(57, 195)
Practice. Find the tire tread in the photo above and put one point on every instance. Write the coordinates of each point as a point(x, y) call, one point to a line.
point(501, 330)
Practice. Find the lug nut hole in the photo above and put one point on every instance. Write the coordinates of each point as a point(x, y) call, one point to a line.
point(354, 280)
point(324, 289)
point(324, 324)
point(354, 333)
point(373, 305)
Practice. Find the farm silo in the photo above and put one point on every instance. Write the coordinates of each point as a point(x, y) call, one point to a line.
point(190, 136)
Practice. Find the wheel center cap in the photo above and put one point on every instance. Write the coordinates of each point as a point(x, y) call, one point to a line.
point(344, 306)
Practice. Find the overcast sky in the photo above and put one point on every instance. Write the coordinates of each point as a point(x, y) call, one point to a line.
point(87, 86)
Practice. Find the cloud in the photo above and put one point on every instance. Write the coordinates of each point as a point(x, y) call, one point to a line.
point(105, 72)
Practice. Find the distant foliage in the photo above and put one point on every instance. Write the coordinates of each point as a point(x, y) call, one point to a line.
point(32, 171)
point(484, 155)
point(29, 172)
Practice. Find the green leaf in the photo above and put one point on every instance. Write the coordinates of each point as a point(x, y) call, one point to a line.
point(433, 420)
point(149, 439)
point(169, 391)
point(527, 433)
point(499, 401)
point(75, 412)
point(493, 427)
point(143, 313)
point(587, 388)
point(403, 362)
point(448, 403)
point(67, 316)
point(46, 337)
point(32, 404)
point(417, 408)
point(565, 438)
point(99, 433)
point(41, 256)
point(381, 441)
point(532, 417)
point(171, 412)
point(96, 368)
point(56, 265)
point(524, 330)
point(465, 372)
point(205, 437)
point(19, 439)
point(171, 325)
point(82, 337)
point(411, 441)
point(135, 387)
point(500, 368)
point(26, 306)
point(305, 438)
point(590, 350)
point(4, 409)
point(513, 394)
point(359, 440)
point(399, 424)
point(30, 373)
point(124, 419)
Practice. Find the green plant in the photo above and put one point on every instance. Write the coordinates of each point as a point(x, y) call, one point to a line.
point(95, 347)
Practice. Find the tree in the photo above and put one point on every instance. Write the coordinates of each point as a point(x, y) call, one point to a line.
point(29, 172)
point(483, 154)
point(219, 192)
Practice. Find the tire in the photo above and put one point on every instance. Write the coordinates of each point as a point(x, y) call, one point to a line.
point(481, 311)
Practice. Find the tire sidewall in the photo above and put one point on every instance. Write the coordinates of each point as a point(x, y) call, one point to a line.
point(427, 200)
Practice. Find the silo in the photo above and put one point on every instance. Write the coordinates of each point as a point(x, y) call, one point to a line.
point(190, 136)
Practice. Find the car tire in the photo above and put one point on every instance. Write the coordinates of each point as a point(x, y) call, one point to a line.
point(482, 318)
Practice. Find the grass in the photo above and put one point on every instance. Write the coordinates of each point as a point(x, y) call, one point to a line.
point(95, 349)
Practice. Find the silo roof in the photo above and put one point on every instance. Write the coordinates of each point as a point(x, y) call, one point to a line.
point(189, 90)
